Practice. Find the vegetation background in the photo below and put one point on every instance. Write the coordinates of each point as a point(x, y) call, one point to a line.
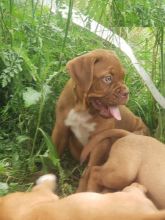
point(35, 45)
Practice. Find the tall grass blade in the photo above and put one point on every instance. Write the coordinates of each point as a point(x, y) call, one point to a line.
point(52, 150)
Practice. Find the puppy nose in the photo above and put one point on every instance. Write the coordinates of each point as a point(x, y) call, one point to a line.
point(124, 93)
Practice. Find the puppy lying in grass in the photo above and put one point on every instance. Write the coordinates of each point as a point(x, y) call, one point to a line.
point(42, 204)
point(132, 158)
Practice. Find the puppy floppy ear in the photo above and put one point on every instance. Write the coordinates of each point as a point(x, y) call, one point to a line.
point(81, 71)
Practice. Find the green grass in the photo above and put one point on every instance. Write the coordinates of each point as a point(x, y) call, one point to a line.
point(35, 46)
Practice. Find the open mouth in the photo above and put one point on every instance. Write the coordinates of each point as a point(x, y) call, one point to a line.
point(107, 110)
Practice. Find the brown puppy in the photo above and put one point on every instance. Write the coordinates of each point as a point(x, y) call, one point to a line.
point(132, 158)
point(92, 100)
point(42, 204)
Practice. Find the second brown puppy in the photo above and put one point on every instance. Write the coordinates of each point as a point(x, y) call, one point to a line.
point(132, 158)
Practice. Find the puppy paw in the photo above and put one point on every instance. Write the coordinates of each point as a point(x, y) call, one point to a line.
point(46, 178)
point(139, 186)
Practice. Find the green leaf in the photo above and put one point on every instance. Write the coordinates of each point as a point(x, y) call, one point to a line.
point(46, 90)
point(31, 97)
point(28, 62)
point(52, 150)
point(22, 138)
point(3, 188)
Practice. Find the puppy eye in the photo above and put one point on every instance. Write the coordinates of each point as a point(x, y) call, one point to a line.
point(107, 79)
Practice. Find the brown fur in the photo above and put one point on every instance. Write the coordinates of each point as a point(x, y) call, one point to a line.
point(96, 85)
point(98, 148)
point(42, 204)
point(131, 158)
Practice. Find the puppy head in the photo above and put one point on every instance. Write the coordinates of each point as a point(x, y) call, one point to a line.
point(99, 77)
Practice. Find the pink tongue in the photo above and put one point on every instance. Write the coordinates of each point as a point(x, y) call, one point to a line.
point(114, 110)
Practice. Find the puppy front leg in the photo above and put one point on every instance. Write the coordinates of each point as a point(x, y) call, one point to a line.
point(131, 122)
point(93, 181)
point(82, 187)
point(60, 136)
point(97, 157)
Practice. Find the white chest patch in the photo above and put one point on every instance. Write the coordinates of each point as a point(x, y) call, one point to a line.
point(80, 124)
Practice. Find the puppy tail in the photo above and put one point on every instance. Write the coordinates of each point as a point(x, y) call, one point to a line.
point(95, 140)
point(46, 182)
